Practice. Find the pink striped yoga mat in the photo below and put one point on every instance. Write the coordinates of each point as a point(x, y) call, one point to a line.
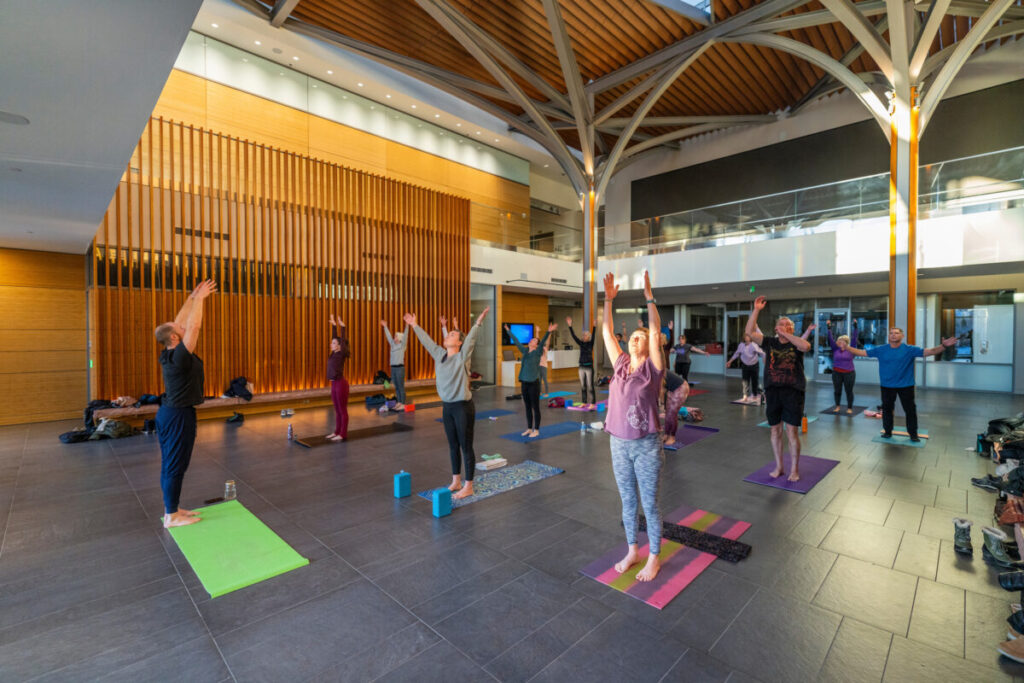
point(680, 564)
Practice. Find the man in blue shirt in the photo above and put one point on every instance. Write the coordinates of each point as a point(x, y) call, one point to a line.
point(896, 375)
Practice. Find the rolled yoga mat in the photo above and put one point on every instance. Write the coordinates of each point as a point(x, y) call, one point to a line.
point(319, 440)
point(724, 548)
point(231, 549)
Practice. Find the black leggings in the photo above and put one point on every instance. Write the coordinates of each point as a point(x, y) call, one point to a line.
point(459, 418)
point(531, 397)
point(683, 369)
point(750, 373)
point(841, 380)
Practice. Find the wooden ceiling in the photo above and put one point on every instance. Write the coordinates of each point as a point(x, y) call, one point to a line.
point(606, 35)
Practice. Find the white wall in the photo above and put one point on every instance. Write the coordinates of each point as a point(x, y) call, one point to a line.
point(510, 268)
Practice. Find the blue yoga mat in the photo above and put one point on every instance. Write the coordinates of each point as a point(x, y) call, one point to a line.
point(556, 394)
point(485, 414)
point(546, 431)
point(899, 440)
point(487, 484)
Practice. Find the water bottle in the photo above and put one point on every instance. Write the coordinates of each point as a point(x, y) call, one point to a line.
point(291, 432)
point(583, 427)
point(229, 490)
point(803, 424)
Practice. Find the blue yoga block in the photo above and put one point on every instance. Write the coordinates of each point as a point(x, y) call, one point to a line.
point(441, 502)
point(403, 484)
point(568, 402)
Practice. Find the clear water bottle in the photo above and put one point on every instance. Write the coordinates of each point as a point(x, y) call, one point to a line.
point(291, 432)
point(229, 490)
point(583, 427)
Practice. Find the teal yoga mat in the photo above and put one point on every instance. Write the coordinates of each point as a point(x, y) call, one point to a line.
point(231, 549)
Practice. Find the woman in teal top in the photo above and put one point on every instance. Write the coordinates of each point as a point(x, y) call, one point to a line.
point(529, 377)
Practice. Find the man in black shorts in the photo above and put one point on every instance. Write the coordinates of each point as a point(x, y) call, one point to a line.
point(784, 385)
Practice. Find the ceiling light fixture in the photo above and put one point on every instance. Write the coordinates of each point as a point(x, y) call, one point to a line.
point(437, 116)
point(295, 58)
point(413, 106)
point(215, 25)
point(330, 73)
point(359, 84)
point(458, 125)
point(388, 96)
point(257, 42)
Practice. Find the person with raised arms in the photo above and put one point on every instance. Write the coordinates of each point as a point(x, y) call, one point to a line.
point(784, 385)
point(397, 344)
point(749, 355)
point(896, 376)
point(632, 423)
point(529, 377)
point(586, 363)
point(451, 369)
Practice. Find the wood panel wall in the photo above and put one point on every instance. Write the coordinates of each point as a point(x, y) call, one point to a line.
point(499, 209)
point(289, 238)
point(43, 336)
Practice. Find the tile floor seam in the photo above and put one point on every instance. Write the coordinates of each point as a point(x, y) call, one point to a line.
point(888, 653)
point(733, 620)
point(14, 495)
point(574, 644)
point(832, 566)
point(835, 636)
point(489, 593)
point(496, 657)
point(669, 670)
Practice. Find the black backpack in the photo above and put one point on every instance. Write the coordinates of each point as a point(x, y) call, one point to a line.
point(381, 377)
point(375, 400)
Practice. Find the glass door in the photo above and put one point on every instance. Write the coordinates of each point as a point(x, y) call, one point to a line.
point(735, 323)
point(838, 321)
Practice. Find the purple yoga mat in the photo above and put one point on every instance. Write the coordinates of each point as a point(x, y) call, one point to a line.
point(812, 470)
point(690, 434)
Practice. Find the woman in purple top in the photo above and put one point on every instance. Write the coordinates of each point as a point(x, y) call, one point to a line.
point(336, 374)
point(843, 372)
point(750, 355)
point(632, 422)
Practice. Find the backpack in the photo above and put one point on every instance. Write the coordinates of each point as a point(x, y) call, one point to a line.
point(375, 400)
point(75, 436)
point(381, 377)
point(238, 389)
point(557, 402)
point(111, 429)
point(1004, 425)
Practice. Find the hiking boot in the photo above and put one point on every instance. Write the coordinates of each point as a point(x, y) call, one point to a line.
point(993, 552)
point(962, 536)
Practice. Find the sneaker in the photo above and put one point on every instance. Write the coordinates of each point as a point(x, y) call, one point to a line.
point(986, 484)
point(1013, 649)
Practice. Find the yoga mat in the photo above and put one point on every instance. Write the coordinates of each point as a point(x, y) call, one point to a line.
point(902, 431)
point(231, 549)
point(556, 429)
point(505, 479)
point(690, 434)
point(698, 392)
point(810, 419)
point(812, 470)
point(680, 564)
point(897, 440)
point(487, 414)
point(314, 441)
point(857, 410)
point(556, 394)
point(724, 548)
point(601, 407)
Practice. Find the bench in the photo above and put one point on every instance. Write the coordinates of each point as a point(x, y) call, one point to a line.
point(269, 402)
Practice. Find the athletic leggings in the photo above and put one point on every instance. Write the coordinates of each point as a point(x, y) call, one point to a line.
point(531, 397)
point(844, 380)
point(683, 369)
point(673, 402)
point(637, 465)
point(398, 379)
point(459, 418)
point(750, 373)
point(587, 383)
point(176, 429)
point(339, 394)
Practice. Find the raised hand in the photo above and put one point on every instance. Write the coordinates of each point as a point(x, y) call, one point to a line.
point(483, 315)
point(610, 288)
point(330, 318)
point(204, 289)
point(505, 327)
point(410, 319)
point(949, 342)
point(444, 321)
point(648, 292)
point(568, 321)
point(455, 323)
point(760, 302)
point(828, 324)
point(341, 323)
point(383, 323)
point(552, 327)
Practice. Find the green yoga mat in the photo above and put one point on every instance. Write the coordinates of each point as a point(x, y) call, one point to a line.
point(231, 549)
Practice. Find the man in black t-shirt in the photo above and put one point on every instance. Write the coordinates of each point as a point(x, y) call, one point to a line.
point(784, 385)
point(183, 383)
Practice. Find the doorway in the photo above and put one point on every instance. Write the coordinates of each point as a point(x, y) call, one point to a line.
point(735, 325)
point(838, 321)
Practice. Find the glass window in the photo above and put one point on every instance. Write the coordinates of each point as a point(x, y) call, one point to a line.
point(982, 322)
point(871, 313)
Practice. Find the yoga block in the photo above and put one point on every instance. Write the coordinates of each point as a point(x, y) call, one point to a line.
point(410, 408)
point(568, 402)
point(403, 484)
point(441, 502)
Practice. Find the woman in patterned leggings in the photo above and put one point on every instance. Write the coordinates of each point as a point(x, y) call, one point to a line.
point(632, 422)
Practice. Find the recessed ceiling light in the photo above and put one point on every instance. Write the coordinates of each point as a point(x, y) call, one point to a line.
point(478, 132)
point(546, 165)
point(295, 58)
point(359, 84)
point(413, 106)
point(388, 96)
point(215, 25)
point(458, 125)
point(344, 97)
point(245, 59)
point(314, 85)
point(280, 73)
point(496, 140)
point(442, 134)
point(372, 107)
point(437, 116)
point(330, 73)
point(257, 42)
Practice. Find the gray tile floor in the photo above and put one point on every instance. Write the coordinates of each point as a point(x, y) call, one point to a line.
point(856, 581)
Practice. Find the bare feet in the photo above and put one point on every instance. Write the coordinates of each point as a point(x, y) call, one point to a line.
point(849, 411)
point(776, 473)
point(628, 561)
point(179, 519)
point(336, 437)
point(190, 513)
point(836, 409)
point(534, 434)
point(466, 490)
point(526, 433)
point(670, 440)
point(650, 569)
point(794, 476)
point(456, 484)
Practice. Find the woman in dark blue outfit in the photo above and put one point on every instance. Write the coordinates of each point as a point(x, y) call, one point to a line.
point(183, 383)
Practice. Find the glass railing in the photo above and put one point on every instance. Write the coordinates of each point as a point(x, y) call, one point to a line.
point(985, 182)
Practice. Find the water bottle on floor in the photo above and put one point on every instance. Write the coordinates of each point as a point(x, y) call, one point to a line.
point(583, 427)
point(229, 490)
point(291, 432)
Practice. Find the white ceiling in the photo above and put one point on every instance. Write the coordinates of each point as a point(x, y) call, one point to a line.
point(86, 74)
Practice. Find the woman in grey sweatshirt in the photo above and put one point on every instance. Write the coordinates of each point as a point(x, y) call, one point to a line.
point(397, 343)
point(451, 368)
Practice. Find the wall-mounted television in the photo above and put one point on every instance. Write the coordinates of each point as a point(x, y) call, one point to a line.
point(523, 332)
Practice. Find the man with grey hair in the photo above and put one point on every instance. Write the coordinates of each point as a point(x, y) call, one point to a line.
point(784, 385)
point(398, 344)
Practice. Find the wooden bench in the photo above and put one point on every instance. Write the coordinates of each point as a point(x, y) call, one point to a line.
point(270, 402)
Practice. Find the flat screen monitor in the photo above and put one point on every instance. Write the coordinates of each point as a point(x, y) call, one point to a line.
point(522, 331)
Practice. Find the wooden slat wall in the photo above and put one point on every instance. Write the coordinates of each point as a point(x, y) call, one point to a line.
point(43, 337)
point(500, 208)
point(289, 239)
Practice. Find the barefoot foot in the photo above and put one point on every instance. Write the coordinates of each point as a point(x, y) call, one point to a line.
point(179, 519)
point(526, 433)
point(534, 434)
point(776, 473)
point(456, 484)
point(794, 476)
point(670, 441)
point(650, 569)
point(628, 561)
point(190, 513)
point(466, 490)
